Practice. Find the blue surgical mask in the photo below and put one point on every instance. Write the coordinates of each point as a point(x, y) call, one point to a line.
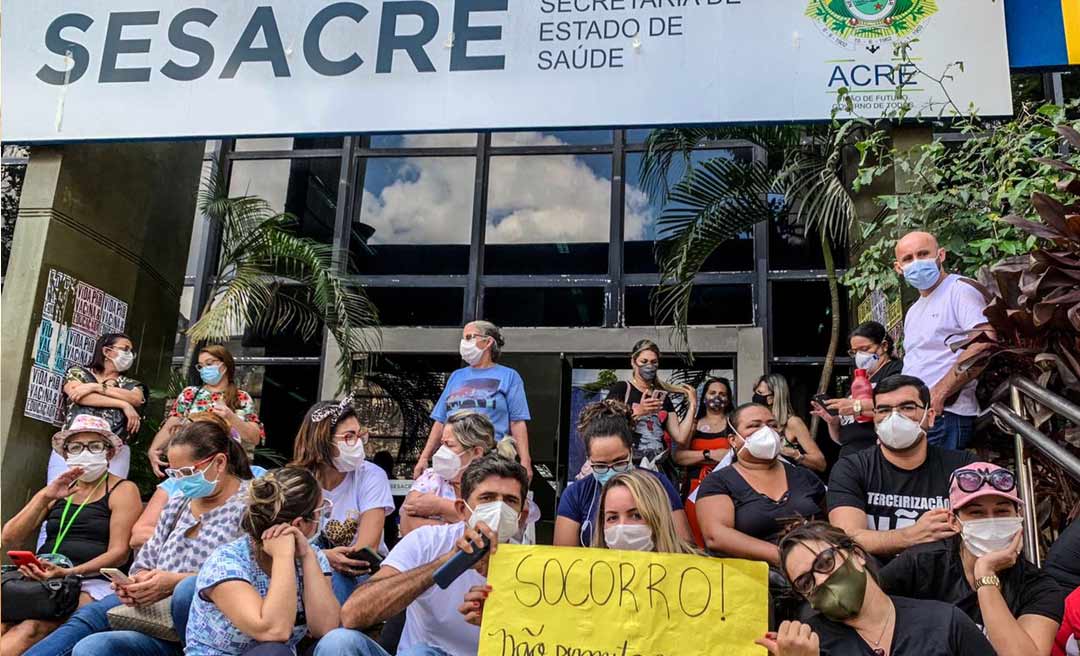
point(210, 375)
point(196, 486)
point(922, 274)
point(602, 479)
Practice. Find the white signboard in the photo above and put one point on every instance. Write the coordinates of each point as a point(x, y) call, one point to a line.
point(128, 69)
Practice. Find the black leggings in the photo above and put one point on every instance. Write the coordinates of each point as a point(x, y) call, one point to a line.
point(270, 649)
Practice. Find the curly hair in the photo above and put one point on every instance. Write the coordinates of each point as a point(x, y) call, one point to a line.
point(608, 418)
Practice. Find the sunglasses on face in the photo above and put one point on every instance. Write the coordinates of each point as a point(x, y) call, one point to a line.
point(75, 448)
point(824, 563)
point(190, 470)
point(619, 467)
point(970, 480)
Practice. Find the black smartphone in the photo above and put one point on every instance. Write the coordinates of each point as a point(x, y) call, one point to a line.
point(459, 564)
point(821, 400)
point(369, 556)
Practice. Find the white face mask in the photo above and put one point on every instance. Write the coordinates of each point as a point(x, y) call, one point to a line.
point(898, 432)
point(446, 463)
point(866, 360)
point(94, 465)
point(499, 517)
point(122, 360)
point(470, 352)
point(629, 537)
point(763, 444)
point(348, 457)
point(981, 536)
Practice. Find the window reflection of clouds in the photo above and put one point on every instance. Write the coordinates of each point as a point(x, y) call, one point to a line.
point(557, 138)
point(445, 140)
point(419, 200)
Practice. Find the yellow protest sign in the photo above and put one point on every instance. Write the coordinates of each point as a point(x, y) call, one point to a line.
point(561, 601)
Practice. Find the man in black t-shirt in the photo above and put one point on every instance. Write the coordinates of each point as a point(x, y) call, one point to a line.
point(981, 571)
point(895, 495)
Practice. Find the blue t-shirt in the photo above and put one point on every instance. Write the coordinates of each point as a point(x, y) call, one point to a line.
point(209, 632)
point(581, 501)
point(497, 391)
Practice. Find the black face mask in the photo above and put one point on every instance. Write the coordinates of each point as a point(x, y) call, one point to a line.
point(760, 399)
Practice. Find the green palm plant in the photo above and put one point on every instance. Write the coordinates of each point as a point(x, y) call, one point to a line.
point(801, 181)
point(270, 279)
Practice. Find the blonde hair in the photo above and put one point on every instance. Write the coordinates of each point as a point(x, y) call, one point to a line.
point(640, 347)
point(654, 506)
point(278, 497)
point(781, 405)
point(474, 429)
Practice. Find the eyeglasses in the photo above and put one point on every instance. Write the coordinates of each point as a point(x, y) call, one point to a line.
point(352, 437)
point(75, 448)
point(970, 480)
point(324, 510)
point(824, 563)
point(190, 470)
point(908, 408)
point(618, 467)
point(201, 366)
point(852, 352)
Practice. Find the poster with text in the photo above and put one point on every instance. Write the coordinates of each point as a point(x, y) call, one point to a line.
point(113, 315)
point(43, 396)
point(88, 302)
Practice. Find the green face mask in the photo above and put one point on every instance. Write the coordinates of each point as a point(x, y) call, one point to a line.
point(841, 595)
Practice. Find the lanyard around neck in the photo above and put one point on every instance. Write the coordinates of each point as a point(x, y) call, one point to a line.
point(65, 527)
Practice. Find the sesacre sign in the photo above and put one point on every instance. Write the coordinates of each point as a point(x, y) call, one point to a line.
point(135, 69)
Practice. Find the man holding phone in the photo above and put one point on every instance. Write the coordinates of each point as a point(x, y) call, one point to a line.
point(493, 491)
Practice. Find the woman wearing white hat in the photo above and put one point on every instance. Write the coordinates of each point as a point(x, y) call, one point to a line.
point(88, 513)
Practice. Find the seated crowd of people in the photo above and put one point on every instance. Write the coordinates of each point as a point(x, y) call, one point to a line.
point(907, 548)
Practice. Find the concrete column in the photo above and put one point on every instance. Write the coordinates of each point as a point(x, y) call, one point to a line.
point(115, 216)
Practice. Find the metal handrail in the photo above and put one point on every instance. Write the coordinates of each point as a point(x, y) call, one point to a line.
point(1023, 432)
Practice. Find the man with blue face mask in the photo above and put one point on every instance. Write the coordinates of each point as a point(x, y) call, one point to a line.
point(948, 310)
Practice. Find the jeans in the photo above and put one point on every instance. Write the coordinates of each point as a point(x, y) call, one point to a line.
point(344, 584)
point(346, 642)
point(951, 431)
point(270, 649)
point(91, 621)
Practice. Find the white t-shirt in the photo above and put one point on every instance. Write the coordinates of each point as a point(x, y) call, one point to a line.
point(934, 321)
point(360, 491)
point(433, 618)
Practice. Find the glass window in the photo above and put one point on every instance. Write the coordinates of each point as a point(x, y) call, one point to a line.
point(433, 140)
point(801, 318)
point(710, 305)
point(643, 210)
point(544, 306)
point(199, 226)
point(418, 306)
point(548, 214)
point(11, 183)
point(288, 143)
point(415, 216)
point(307, 188)
point(556, 138)
point(791, 248)
point(637, 136)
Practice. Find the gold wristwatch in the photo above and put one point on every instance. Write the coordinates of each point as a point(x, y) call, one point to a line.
point(987, 580)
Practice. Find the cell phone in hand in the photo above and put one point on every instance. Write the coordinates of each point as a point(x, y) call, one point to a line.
point(822, 400)
point(115, 575)
point(367, 555)
point(23, 558)
point(659, 395)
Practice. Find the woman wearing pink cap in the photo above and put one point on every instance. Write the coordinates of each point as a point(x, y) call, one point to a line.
point(87, 514)
point(980, 569)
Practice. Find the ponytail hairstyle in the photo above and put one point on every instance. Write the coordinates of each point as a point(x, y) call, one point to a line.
point(488, 329)
point(207, 438)
point(608, 418)
point(876, 333)
point(314, 443)
point(655, 508)
point(278, 497)
point(232, 392)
